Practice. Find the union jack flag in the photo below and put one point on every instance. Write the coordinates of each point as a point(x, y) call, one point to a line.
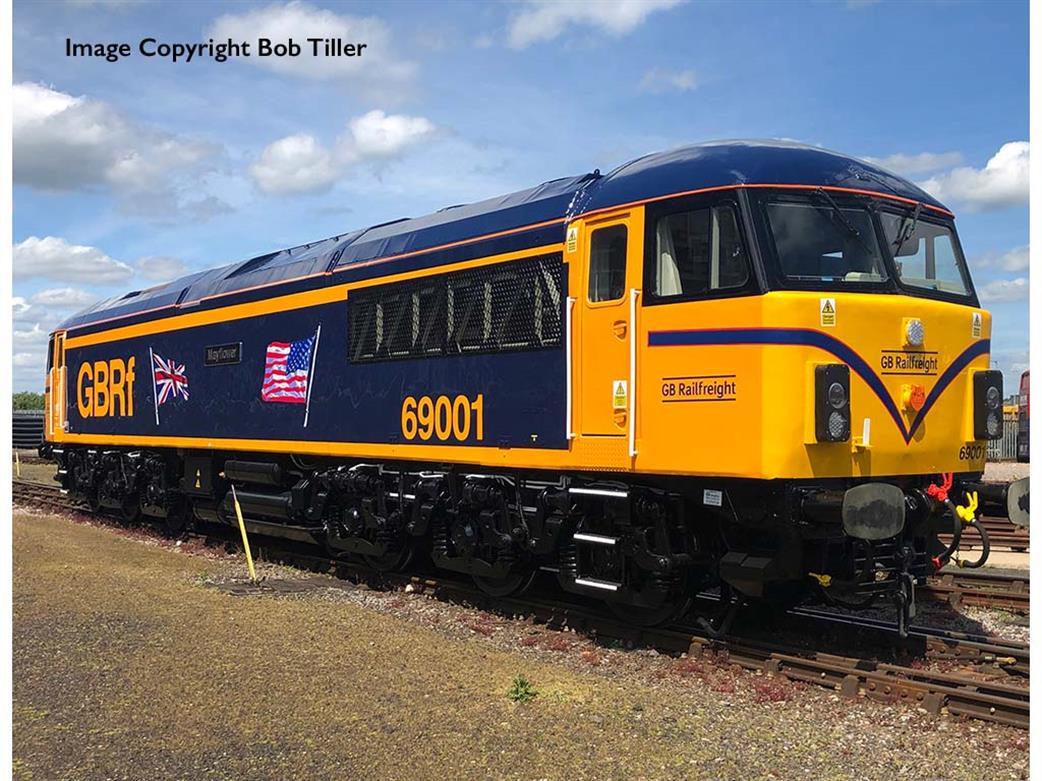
point(170, 379)
point(286, 369)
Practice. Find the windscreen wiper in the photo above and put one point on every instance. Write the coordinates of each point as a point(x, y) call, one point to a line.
point(838, 212)
point(904, 233)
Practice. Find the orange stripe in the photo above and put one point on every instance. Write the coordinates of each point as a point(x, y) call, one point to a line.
point(285, 302)
point(462, 242)
point(718, 188)
point(374, 261)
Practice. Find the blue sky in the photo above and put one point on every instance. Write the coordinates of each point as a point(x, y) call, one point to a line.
point(129, 173)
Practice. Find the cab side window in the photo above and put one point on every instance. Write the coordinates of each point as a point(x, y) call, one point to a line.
point(698, 252)
point(607, 264)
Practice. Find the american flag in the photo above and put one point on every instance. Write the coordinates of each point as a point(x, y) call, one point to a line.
point(170, 379)
point(286, 369)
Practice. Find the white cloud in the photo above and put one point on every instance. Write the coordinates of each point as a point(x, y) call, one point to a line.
point(300, 21)
point(29, 338)
point(1016, 259)
point(294, 164)
point(659, 80)
point(63, 298)
point(301, 163)
point(377, 134)
point(544, 20)
point(29, 355)
point(1005, 290)
point(26, 313)
point(54, 258)
point(161, 269)
point(1004, 180)
point(913, 165)
point(62, 142)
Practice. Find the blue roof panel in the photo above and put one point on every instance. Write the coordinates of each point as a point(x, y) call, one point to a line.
point(713, 164)
point(548, 201)
point(726, 163)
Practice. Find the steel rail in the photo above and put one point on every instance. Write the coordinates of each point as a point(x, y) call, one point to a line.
point(851, 676)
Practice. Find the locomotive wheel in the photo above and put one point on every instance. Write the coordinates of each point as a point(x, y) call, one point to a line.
point(130, 512)
point(174, 524)
point(670, 610)
point(392, 561)
point(512, 583)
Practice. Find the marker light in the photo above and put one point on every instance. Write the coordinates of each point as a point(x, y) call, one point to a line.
point(913, 397)
point(987, 405)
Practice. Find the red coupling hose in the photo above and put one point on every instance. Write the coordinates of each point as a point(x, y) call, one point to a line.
point(940, 491)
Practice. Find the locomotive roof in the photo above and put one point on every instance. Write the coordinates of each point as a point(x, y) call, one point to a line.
point(660, 174)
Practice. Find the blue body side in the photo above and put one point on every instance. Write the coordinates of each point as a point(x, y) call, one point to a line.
point(524, 394)
point(495, 225)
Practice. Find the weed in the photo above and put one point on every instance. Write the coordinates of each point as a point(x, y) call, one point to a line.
point(772, 689)
point(521, 689)
point(592, 656)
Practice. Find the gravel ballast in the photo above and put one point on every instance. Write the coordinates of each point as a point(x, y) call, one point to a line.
point(132, 660)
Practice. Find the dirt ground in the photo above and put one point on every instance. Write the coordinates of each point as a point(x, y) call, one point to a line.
point(41, 472)
point(130, 664)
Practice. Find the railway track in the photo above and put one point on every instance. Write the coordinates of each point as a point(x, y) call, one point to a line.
point(1001, 534)
point(982, 589)
point(967, 695)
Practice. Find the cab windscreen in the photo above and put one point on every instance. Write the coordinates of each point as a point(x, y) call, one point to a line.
point(832, 402)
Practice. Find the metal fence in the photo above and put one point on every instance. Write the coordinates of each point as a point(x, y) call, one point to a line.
point(1005, 449)
point(27, 429)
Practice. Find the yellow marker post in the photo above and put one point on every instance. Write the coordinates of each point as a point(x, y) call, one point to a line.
point(17, 465)
point(245, 539)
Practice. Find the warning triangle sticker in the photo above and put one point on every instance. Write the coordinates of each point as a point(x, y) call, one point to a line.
point(618, 395)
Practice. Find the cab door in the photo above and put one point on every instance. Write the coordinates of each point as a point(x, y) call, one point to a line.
point(54, 401)
point(612, 245)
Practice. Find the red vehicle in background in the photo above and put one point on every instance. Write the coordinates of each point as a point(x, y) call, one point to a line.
point(1023, 420)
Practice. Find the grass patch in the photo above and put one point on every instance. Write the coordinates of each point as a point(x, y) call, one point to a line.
point(521, 690)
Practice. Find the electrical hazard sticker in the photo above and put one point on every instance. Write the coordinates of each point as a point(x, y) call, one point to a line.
point(573, 239)
point(975, 325)
point(828, 312)
point(618, 394)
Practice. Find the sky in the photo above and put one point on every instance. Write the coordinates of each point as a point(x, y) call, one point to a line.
point(133, 172)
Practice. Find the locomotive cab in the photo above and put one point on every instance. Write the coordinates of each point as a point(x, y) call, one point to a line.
point(818, 358)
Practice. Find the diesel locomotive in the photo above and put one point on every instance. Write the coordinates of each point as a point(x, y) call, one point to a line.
point(757, 366)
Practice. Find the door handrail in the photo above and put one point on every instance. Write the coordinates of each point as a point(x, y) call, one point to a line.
point(569, 430)
point(634, 294)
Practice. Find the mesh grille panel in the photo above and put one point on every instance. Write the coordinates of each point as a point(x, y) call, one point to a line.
point(496, 308)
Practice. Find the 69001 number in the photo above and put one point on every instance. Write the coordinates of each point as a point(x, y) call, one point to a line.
point(443, 418)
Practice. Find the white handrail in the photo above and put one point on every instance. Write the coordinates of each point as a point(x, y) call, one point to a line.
point(634, 294)
point(569, 431)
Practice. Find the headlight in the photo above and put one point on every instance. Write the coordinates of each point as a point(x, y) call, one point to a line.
point(832, 402)
point(992, 397)
point(987, 405)
point(837, 395)
point(914, 332)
